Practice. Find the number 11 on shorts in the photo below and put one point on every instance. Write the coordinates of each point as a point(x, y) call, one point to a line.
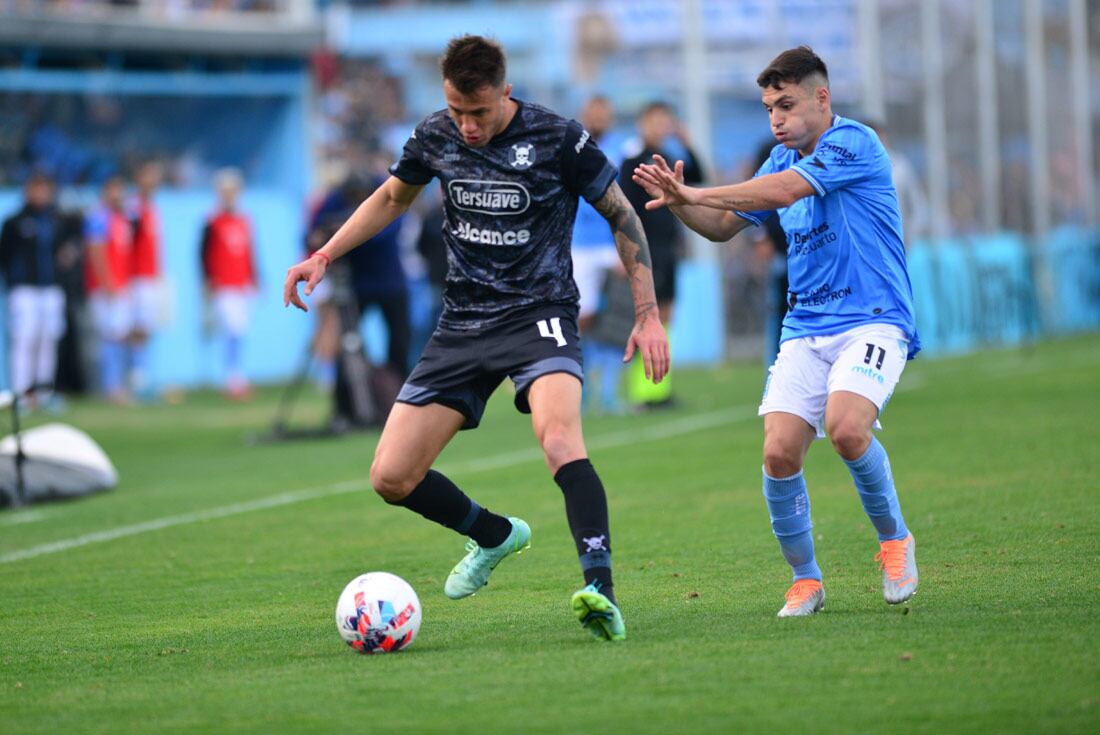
point(871, 353)
point(552, 330)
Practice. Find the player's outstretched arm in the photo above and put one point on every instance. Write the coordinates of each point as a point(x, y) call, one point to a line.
point(648, 336)
point(387, 203)
point(713, 224)
point(771, 191)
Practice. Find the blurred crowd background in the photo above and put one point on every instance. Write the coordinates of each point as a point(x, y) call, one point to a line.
point(990, 110)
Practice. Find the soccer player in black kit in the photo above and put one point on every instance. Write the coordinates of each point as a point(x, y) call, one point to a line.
point(511, 174)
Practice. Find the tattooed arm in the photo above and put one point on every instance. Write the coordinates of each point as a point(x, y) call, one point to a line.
point(648, 335)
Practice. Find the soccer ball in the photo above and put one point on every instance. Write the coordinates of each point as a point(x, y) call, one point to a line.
point(378, 613)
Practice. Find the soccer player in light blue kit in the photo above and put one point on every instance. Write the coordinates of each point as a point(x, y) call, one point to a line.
point(850, 327)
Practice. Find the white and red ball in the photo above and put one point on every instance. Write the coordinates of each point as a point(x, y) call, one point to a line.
point(378, 612)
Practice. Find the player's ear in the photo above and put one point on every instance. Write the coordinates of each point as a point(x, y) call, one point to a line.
point(506, 91)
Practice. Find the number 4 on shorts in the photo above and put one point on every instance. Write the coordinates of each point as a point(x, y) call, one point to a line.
point(552, 330)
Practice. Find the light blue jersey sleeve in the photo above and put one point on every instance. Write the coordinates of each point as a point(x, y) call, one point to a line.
point(758, 217)
point(844, 156)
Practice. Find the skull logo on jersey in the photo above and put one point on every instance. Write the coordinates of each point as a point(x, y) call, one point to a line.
point(522, 155)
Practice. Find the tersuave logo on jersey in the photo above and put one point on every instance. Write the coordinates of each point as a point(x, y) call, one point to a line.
point(485, 236)
point(489, 197)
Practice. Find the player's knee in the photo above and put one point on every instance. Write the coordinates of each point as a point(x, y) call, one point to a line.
point(849, 438)
point(781, 459)
point(561, 445)
point(390, 482)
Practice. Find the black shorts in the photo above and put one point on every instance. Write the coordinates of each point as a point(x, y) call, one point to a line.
point(461, 370)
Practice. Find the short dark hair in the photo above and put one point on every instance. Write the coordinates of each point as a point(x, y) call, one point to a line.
point(792, 66)
point(473, 62)
point(655, 106)
point(39, 177)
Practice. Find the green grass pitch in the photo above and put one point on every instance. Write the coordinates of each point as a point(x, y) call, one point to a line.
point(199, 595)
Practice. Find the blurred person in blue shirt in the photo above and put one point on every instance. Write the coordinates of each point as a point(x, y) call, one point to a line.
point(594, 258)
point(375, 274)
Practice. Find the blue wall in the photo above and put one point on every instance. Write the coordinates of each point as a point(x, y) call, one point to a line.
point(998, 290)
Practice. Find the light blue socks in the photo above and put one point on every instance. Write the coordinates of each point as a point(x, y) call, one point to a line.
point(875, 484)
point(789, 508)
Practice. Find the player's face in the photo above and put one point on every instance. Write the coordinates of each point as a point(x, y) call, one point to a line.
point(480, 115)
point(598, 117)
point(655, 126)
point(39, 193)
point(149, 177)
point(798, 114)
point(228, 194)
point(113, 194)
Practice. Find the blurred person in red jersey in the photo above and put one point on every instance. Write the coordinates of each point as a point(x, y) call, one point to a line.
point(108, 237)
point(229, 275)
point(145, 282)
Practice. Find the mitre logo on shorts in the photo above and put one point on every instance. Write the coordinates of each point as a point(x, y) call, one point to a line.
point(489, 197)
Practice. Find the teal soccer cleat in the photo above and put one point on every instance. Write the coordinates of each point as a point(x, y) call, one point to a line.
point(472, 572)
point(599, 615)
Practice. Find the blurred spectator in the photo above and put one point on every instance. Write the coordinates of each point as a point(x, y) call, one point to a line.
point(145, 285)
point(74, 365)
point(109, 240)
point(376, 277)
point(229, 275)
point(605, 340)
point(594, 256)
point(593, 244)
point(433, 250)
point(31, 243)
point(658, 128)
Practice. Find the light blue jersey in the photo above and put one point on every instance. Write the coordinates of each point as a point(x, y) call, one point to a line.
point(845, 257)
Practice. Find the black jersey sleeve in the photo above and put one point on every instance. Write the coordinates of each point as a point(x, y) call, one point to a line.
point(412, 167)
point(585, 169)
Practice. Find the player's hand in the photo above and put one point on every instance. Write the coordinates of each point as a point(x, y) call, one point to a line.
point(648, 337)
point(665, 184)
point(311, 270)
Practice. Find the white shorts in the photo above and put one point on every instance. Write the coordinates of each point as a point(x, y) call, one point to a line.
point(590, 264)
point(36, 312)
point(147, 302)
point(112, 316)
point(867, 360)
point(231, 308)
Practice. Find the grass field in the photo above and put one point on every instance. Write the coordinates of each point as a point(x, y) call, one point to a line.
point(198, 596)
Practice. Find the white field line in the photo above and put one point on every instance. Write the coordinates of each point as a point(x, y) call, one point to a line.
point(675, 427)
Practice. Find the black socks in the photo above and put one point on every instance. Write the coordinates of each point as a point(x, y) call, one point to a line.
point(438, 499)
point(586, 510)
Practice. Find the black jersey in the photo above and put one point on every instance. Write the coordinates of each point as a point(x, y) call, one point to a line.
point(509, 208)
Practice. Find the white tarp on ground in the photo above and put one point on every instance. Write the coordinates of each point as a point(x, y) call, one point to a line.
point(61, 462)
